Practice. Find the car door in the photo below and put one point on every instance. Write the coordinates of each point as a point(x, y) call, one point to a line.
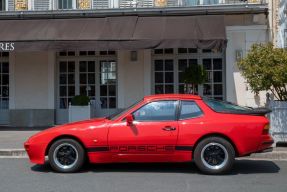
point(191, 122)
point(151, 137)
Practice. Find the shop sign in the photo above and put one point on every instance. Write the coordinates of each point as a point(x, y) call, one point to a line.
point(84, 4)
point(21, 5)
point(7, 46)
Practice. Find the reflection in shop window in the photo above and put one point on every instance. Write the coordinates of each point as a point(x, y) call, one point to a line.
point(108, 81)
point(4, 80)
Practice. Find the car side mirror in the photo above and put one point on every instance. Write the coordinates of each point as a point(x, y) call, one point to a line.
point(129, 119)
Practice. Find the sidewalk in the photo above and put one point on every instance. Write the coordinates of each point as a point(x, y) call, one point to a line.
point(12, 140)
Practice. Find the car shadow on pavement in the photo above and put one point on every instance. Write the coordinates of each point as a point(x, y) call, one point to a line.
point(240, 167)
point(254, 167)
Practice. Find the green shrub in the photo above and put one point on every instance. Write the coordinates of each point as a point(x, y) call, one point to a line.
point(194, 75)
point(80, 100)
point(265, 69)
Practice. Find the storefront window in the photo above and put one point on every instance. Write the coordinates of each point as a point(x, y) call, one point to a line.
point(66, 82)
point(182, 65)
point(164, 76)
point(4, 80)
point(91, 73)
point(87, 71)
point(214, 82)
point(108, 84)
point(170, 64)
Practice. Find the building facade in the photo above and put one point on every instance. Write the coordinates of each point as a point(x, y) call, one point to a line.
point(117, 51)
point(278, 22)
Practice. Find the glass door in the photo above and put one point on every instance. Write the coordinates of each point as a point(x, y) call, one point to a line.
point(89, 73)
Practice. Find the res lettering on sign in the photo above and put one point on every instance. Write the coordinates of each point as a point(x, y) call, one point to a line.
point(7, 47)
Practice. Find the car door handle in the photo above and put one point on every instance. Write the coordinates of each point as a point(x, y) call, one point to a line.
point(169, 128)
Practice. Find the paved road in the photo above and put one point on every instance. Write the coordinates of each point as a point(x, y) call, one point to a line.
point(14, 139)
point(18, 175)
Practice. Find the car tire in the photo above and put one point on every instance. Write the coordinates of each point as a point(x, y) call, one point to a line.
point(66, 156)
point(214, 155)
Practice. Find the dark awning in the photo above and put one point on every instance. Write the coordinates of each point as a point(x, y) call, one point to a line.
point(115, 33)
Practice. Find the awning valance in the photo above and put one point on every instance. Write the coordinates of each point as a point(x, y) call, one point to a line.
point(115, 33)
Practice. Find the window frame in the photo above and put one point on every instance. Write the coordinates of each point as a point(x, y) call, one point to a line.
point(108, 85)
point(180, 107)
point(5, 6)
point(57, 3)
point(76, 57)
point(175, 115)
point(200, 55)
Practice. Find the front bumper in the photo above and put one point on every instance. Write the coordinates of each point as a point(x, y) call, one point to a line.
point(36, 152)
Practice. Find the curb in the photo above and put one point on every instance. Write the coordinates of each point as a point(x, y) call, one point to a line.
point(13, 153)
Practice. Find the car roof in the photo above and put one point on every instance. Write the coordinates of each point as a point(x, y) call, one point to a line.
point(172, 96)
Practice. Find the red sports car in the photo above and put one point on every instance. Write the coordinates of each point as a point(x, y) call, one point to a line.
point(159, 128)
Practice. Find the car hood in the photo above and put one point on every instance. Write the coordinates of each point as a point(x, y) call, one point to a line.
point(75, 126)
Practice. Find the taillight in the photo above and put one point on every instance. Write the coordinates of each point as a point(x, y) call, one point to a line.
point(266, 129)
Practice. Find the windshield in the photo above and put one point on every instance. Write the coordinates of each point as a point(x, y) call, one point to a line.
point(122, 111)
point(221, 106)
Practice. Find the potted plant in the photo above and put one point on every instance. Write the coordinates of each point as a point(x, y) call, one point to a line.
point(265, 69)
point(79, 108)
point(193, 76)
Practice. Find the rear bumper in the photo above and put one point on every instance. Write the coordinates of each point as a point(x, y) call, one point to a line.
point(266, 144)
point(270, 149)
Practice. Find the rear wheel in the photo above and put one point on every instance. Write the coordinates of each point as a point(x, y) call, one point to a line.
point(66, 156)
point(214, 155)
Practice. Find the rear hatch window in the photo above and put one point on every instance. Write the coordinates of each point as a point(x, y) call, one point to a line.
point(227, 107)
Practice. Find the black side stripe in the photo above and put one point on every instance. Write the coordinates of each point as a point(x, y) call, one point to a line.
point(97, 149)
point(105, 148)
point(183, 148)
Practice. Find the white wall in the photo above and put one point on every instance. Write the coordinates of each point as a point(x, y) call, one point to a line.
point(32, 80)
point(134, 77)
point(242, 38)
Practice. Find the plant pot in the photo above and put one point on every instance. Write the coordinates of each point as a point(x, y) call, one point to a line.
point(78, 113)
point(278, 120)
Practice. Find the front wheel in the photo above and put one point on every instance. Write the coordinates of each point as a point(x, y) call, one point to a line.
point(66, 156)
point(214, 155)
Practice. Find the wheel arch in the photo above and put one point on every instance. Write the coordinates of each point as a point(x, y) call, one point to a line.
point(66, 136)
point(217, 135)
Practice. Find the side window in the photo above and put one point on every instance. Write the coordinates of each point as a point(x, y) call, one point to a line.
point(189, 109)
point(157, 111)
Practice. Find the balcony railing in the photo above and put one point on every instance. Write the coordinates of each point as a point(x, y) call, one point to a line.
point(45, 5)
